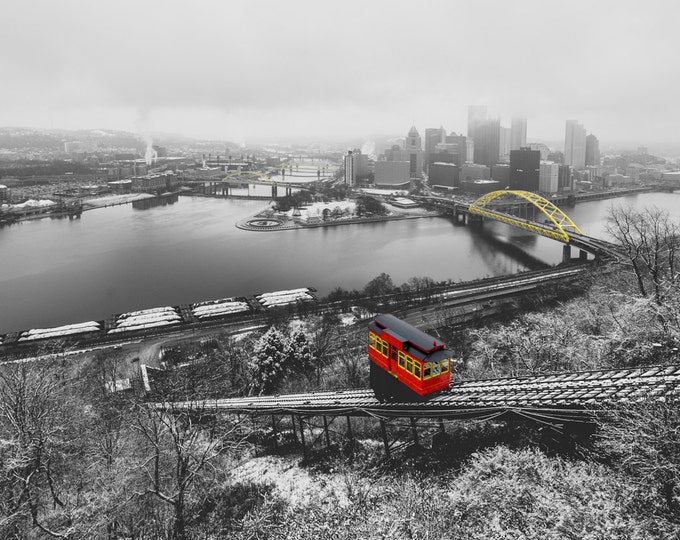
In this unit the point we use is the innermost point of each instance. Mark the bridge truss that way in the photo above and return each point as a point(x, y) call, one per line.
point(561, 222)
point(252, 177)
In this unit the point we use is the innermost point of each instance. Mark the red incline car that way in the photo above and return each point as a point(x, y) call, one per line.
point(406, 363)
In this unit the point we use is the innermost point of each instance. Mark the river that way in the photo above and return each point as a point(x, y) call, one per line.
point(117, 259)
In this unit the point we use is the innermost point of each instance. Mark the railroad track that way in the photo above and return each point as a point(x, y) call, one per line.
point(555, 398)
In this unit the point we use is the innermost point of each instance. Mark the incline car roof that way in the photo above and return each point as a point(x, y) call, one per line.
point(401, 329)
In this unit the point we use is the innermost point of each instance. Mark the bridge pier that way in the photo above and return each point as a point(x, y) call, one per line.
point(474, 220)
point(458, 216)
point(274, 191)
point(566, 253)
point(583, 255)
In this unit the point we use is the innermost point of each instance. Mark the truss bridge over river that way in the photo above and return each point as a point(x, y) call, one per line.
point(507, 207)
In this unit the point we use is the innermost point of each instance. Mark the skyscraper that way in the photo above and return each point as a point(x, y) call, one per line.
point(461, 142)
point(356, 166)
point(350, 170)
point(525, 169)
point(433, 136)
point(518, 132)
point(592, 151)
point(414, 152)
point(477, 115)
point(487, 143)
point(575, 145)
point(504, 145)
point(564, 179)
point(485, 132)
point(549, 177)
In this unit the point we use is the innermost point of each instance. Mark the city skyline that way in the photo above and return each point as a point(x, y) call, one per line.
point(268, 71)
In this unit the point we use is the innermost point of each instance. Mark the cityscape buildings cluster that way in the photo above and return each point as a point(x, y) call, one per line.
point(488, 156)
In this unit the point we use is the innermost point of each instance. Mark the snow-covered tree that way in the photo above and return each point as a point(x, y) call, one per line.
point(300, 353)
point(270, 361)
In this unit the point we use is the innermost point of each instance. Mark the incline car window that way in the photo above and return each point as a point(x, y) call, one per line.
point(378, 344)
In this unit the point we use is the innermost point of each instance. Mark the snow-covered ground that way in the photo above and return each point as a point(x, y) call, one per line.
point(316, 209)
point(294, 484)
point(385, 192)
point(347, 319)
point(33, 203)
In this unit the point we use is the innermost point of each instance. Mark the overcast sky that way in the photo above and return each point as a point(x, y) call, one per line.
point(264, 70)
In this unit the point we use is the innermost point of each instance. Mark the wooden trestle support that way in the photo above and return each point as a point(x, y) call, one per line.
point(565, 402)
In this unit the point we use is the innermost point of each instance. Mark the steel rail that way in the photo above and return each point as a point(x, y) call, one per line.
point(549, 398)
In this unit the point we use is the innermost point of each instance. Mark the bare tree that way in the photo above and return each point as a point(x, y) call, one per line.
point(651, 242)
point(31, 426)
point(644, 440)
point(325, 336)
point(180, 447)
point(52, 473)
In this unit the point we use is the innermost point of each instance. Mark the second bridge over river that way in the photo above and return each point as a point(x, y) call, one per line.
point(540, 216)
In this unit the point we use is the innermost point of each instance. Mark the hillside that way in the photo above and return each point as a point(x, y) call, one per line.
point(80, 462)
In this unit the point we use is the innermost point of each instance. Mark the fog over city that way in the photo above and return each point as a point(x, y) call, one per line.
point(305, 70)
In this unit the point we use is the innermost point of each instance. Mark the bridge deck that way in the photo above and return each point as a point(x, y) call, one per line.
point(549, 398)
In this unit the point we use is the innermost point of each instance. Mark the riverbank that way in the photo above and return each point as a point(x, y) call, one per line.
point(74, 210)
point(114, 200)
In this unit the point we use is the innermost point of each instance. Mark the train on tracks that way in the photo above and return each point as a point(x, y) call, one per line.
point(405, 363)
point(135, 324)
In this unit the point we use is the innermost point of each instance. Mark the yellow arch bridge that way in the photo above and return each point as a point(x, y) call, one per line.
point(558, 227)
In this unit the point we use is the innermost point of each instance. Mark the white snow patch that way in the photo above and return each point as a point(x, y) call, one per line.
point(146, 311)
point(65, 327)
point(220, 309)
point(59, 331)
point(285, 299)
point(385, 192)
point(118, 385)
point(147, 319)
point(34, 203)
point(347, 319)
point(292, 483)
point(281, 293)
point(142, 326)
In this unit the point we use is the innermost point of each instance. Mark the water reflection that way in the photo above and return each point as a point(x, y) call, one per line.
point(163, 200)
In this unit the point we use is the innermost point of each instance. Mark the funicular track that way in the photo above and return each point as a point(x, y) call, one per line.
point(556, 400)
point(560, 397)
